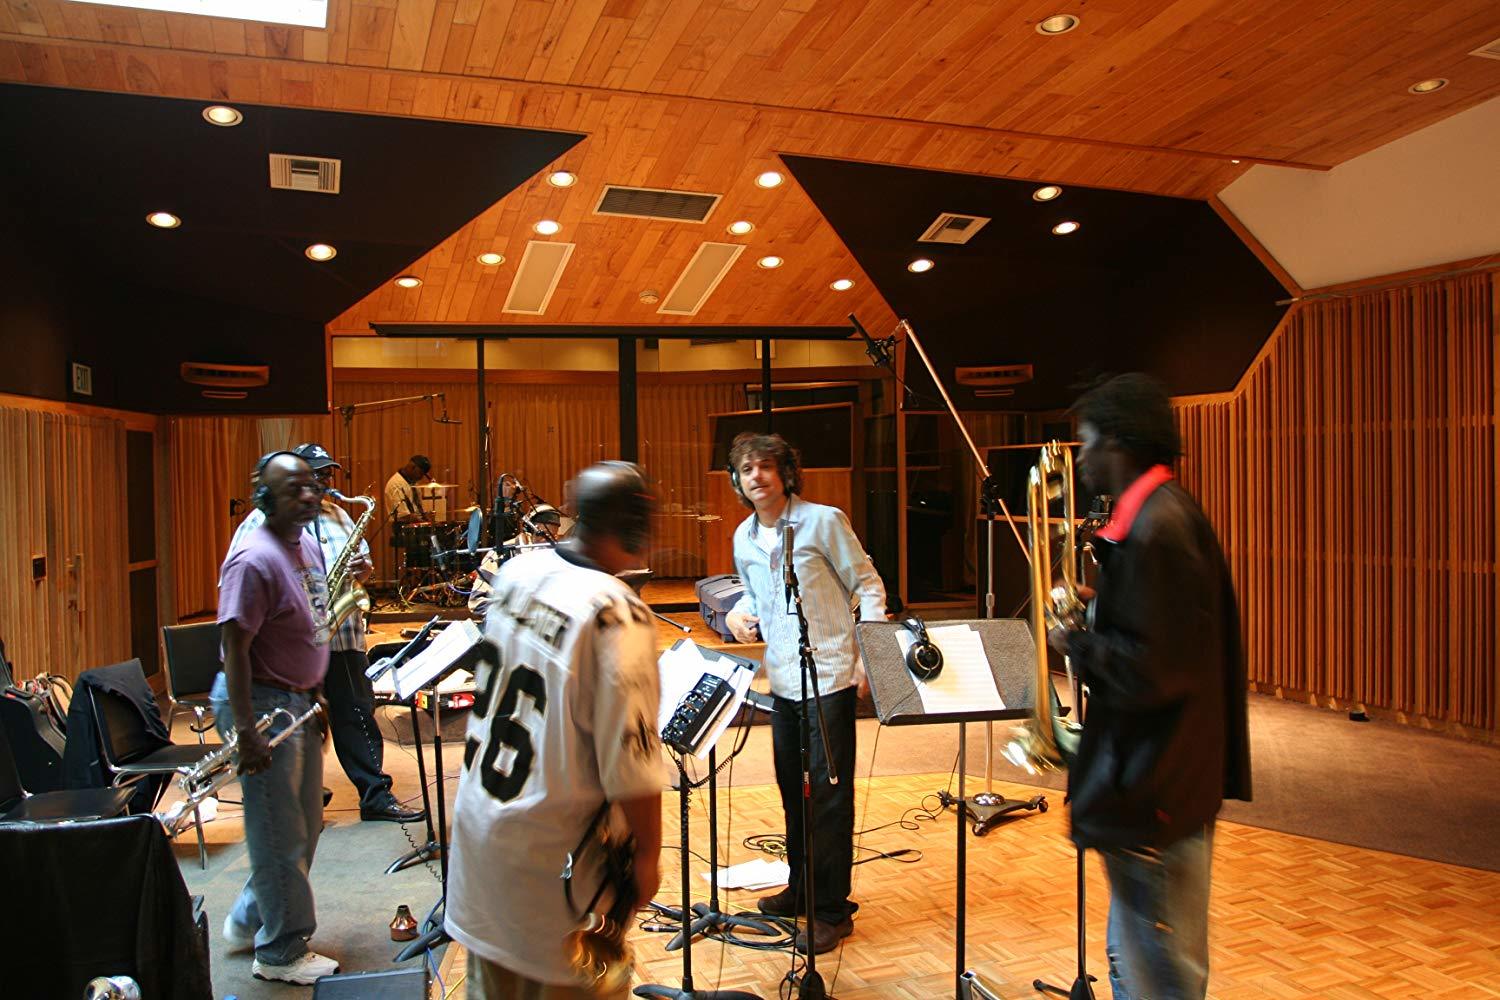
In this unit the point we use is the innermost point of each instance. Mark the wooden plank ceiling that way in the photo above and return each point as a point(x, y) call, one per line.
point(702, 95)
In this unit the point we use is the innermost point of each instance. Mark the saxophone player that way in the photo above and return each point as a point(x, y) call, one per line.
point(351, 698)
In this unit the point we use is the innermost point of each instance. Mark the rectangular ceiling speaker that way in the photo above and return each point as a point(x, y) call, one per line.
point(1490, 51)
point(305, 173)
point(655, 203)
point(699, 279)
point(537, 276)
point(950, 227)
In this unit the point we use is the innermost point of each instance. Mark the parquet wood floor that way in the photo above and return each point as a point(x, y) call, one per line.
point(1290, 917)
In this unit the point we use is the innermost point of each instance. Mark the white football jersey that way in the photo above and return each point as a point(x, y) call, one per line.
point(566, 722)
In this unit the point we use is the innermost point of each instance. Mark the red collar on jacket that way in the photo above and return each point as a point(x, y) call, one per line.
point(1130, 503)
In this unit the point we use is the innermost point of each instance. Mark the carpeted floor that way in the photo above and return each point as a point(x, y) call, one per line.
point(1316, 774)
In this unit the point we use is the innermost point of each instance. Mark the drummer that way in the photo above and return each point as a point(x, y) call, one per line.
point(401, 497)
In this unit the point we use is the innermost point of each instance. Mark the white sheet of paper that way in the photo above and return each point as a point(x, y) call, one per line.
point(966, 683)
point(757, 874)
point(450, 644)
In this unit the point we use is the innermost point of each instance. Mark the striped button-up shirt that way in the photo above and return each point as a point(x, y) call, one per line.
point(832, 571)
point(331, 529)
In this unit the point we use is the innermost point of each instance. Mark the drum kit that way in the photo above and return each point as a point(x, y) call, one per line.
point(440, 557)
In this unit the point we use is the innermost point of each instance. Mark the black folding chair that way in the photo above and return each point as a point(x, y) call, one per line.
point(192, 657)
point(19, 805)
point(130, 753)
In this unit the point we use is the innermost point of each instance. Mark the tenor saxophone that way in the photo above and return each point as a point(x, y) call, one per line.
point(345, 595)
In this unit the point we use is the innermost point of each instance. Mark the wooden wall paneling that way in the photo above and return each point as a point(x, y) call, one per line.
point(67, 506)
point(1355, 504)
point(676, 450)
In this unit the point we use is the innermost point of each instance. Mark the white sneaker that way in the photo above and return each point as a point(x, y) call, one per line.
point(236, 936)
point(305, 971)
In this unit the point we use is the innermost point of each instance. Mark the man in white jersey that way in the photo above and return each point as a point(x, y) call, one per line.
point(563, 724)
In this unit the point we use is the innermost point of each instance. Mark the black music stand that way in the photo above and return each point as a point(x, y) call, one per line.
point(1011, 652)
point(697, 918)
point(418, 675)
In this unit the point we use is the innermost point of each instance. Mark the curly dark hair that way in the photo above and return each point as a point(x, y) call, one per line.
point(788, 460)
point(1134, 410)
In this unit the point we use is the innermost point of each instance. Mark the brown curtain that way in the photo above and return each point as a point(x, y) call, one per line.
point(1352, 480)
point(64, 499)
point(542, 433)
point(676, 449)
point(211, 461)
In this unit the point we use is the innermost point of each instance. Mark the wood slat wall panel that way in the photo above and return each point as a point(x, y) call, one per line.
point(1351, 478)
point(66, 502)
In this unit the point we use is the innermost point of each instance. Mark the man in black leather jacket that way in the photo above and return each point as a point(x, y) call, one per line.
point(1165, 739)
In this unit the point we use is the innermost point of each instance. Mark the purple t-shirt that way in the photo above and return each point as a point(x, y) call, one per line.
point(284, 605)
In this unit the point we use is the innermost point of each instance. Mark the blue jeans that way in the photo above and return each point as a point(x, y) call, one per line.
point(283, 817)
point(1158, 919)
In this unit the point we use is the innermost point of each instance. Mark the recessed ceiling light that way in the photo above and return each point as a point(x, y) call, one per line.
point(741, 227)
point(1427, 86)
point(769, 179)
point(1234, 161)
point(491, 259)
point(546, 228)
point(769, 262)
point(562, 179)
point(164, 220)
point(919, 265)
point(222, 114)
point(1064, 228)
point(842, 285)
point(320, 252)
point(408, 281)
point(1057, 24)
point(650, 296)
point(1046, 193)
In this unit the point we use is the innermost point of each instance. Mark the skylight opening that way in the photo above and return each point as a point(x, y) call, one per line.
point(301, 13)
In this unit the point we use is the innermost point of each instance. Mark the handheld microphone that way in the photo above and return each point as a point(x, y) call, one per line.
point(786, 555)
point(874, 351)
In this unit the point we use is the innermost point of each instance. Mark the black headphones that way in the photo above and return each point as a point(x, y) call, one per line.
point(261, 496)
point(734, 480)
point(923, 659)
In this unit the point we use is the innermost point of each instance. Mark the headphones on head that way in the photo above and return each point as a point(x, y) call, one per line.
point(923, 659)
point(262, 497)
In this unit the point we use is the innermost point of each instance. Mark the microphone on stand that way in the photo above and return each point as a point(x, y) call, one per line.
point(875, 350)
point(444, 418)
point(439, 557)
point(786, 556)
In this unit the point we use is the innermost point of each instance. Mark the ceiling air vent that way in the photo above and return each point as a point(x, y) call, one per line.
point(537, 276)
point(304, 173)
point(699, 279)
point(1490, 51)
point(989, 377)
point(951, 227)
point(653, 203)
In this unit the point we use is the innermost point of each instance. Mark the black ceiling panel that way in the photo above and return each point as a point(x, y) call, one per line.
point(85, 168)
point(1147, 283)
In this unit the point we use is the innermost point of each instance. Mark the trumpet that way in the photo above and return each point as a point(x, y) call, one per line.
point(204, 779)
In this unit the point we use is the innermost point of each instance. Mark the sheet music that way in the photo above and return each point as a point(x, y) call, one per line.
point(680, 668)
point(966, 682)
point(451, 643)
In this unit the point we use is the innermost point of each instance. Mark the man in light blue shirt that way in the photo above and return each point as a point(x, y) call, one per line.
point(833, 573)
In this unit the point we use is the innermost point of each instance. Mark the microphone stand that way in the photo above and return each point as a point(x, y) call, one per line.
point(810, 986)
